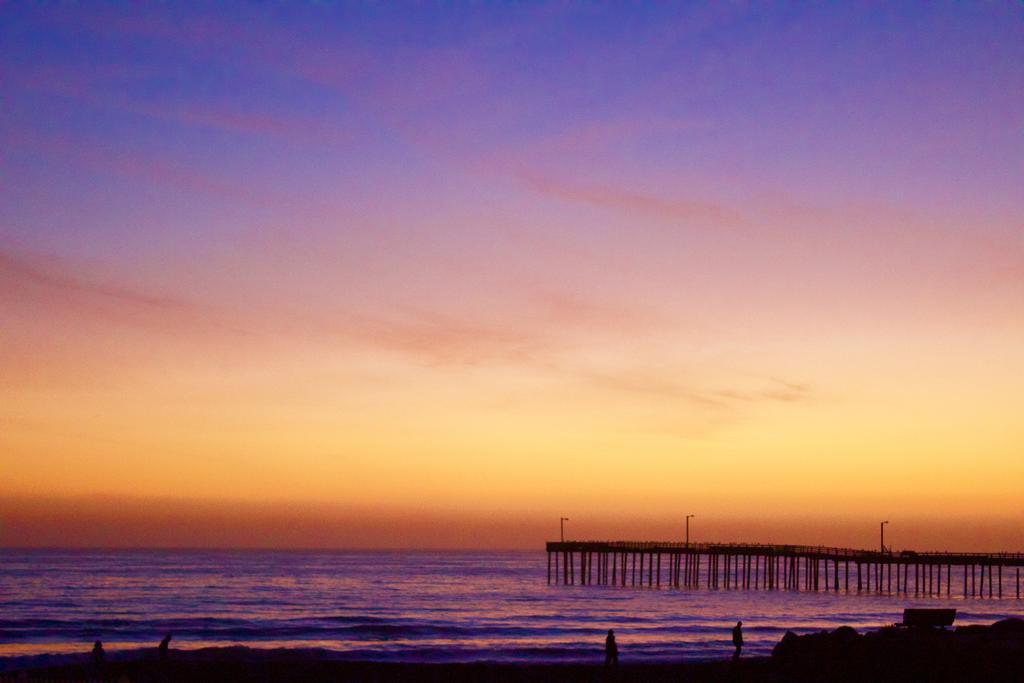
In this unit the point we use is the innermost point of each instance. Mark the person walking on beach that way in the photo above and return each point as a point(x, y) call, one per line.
point(737, 639)
point(97, 659)
point(611, 650)
point(163, 647)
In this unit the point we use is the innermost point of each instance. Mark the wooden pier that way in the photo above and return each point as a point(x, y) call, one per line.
point(783, 567)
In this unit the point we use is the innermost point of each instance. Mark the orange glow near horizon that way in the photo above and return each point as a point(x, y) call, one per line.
point(917, 435)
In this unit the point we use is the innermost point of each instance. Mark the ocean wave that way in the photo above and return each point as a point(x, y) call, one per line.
point(395, 606)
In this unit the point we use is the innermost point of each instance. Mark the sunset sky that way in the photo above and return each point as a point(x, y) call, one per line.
point(436, 274)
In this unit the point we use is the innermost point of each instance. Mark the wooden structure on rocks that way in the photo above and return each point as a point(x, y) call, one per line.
point(782, 567)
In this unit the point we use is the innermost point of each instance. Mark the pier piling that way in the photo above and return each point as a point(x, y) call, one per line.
point(774, 567)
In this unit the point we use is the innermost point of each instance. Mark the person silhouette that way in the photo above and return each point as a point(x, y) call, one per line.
point(96, 659)
point(163, 646)
point(737, 639)
point(611, 649)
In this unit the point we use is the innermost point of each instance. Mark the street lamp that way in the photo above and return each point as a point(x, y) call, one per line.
point(688, 529)
point(881, 534)
point(561, 526)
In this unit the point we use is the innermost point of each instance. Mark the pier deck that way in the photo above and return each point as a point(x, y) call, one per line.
point(781, 567)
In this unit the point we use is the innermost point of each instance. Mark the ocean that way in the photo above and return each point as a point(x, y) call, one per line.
point(402, 606)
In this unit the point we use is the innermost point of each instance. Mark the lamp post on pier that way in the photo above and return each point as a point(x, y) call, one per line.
point(561, 526)
point(881, 534)
point(688, 529)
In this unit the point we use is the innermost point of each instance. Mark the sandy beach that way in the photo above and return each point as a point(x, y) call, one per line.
point(243, 664)
point(972, 653)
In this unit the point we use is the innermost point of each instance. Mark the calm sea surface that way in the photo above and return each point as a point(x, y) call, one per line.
point(412, 606)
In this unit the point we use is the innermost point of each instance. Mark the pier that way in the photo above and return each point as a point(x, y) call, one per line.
point(653, 564)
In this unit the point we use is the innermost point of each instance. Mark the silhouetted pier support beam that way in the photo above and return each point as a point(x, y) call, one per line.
point(774, 567)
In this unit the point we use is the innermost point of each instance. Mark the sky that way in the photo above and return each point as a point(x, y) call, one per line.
point(435, 274)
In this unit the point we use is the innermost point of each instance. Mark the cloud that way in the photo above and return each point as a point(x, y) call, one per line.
point(572, 310)
point(540, 335)
point(140, 165)
point(69, 327)
point(875, 234)
point(528, 337)
point(439, 339)
point(53, 276)
point(595, 137)
point(537, 325)
point(98, 87)
point(634, 203)
point(50, 285)
point(784, 392)
point(666, 386)
point(647, 384)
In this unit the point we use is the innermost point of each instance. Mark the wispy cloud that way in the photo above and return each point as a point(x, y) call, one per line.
point(534, 328)
point(100, 89)
point(137, 166)
point(54, 286)
point(666, 385)
point(777, 391)
point(538, 336)
point(438, 339)
point(51, 276)
point(635, 203)
point(425, 336)
point(585, 139)
point(71, 327)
